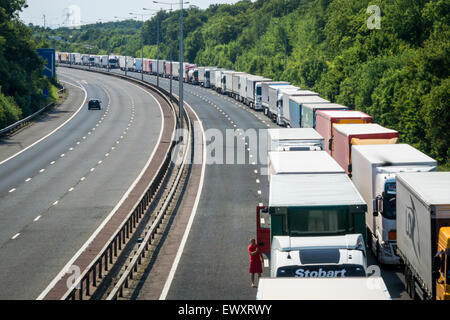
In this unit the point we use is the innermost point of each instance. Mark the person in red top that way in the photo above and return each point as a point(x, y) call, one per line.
point(256, 260)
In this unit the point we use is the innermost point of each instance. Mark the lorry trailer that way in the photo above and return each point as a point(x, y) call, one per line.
point(302, 162)
point(295, 108)
point(348, 135)
point(309, 111)
point(326, 119)
point(265, 93)
point(284, 103)
point(423, 233)
point(294, 139)
point(374, 174)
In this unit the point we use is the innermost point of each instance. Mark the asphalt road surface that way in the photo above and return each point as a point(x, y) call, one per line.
point(55, 193)
point(214, 264)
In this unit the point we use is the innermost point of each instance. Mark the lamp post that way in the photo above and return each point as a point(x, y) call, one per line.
point(157, 45)
point(142, 42)
point(181, 79)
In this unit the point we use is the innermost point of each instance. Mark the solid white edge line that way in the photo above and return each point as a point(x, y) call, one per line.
point(191, 219)
point(65, 269)
point(52, 132)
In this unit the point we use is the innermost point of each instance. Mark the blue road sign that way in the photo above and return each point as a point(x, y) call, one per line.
point(49, 56)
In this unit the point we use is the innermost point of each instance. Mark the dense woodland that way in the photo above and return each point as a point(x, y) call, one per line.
point(21, 80)
point(399, 73)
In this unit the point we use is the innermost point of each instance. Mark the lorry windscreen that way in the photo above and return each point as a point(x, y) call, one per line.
point(322, 271)
point(258, 91)
point(320, 222)
point(389, 207)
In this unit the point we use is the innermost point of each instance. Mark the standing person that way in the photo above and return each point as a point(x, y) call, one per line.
point(256, 260)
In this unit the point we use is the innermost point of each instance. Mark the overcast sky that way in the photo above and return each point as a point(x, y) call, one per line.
point(60, 12)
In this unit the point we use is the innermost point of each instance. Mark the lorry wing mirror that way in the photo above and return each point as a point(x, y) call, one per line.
point(330, 144)
point(437, 262)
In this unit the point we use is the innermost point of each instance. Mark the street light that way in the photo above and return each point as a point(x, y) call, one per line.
point(180, 86)
point(142, 42)
point(157, 46)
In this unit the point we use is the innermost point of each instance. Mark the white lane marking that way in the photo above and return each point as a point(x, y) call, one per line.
point(52, 163)
point(52, 132)
point(28, 180)
point(106, 154)
point(12, 190)
point(259, 191)
point(191, 218)
point(257, 181)
point(62, 156)
point(71, 189)
point(15, 236)
point(100, 162)
point(42, 170)
point(55, 203)
point(37, 218)
point(71, 149)
point(92, 169)
point(111, 214)
point(266, 263)
point(83, 178)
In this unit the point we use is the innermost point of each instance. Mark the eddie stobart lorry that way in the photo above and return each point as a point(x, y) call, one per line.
point(423, 233)
point(315, 220)
point(374, 174)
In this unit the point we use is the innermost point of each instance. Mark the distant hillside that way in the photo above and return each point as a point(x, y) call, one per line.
point(399, 73)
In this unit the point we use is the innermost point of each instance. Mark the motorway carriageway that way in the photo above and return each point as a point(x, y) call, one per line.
point(214, 262)
point(55, 193)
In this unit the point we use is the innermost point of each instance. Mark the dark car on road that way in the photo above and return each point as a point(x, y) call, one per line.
point(94, 104)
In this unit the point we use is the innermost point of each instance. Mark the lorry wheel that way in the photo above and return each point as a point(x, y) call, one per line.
point(378, 254)
point(407, 281)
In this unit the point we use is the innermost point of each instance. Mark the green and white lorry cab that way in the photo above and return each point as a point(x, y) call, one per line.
point(318, 257)
point(309, 205)
point(374, 174)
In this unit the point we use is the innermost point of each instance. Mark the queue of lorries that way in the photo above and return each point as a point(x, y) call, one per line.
point(338, 184)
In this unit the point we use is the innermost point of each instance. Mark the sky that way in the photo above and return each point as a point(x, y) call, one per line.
point(67, 12)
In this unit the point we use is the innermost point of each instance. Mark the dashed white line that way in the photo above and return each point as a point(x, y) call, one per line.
point(42, 170)
point(15, 236)
point(37, 218)
point(28, 180)
point(12, 190)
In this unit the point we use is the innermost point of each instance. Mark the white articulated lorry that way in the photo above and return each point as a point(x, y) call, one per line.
point(274, 99)
point(285, 110)
point(358, 288)
point(265, 93)
point(374, 174)
point(236, 84)
point(423, 233)
point(295, 139)
point(253, 97)
point(278, 105)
